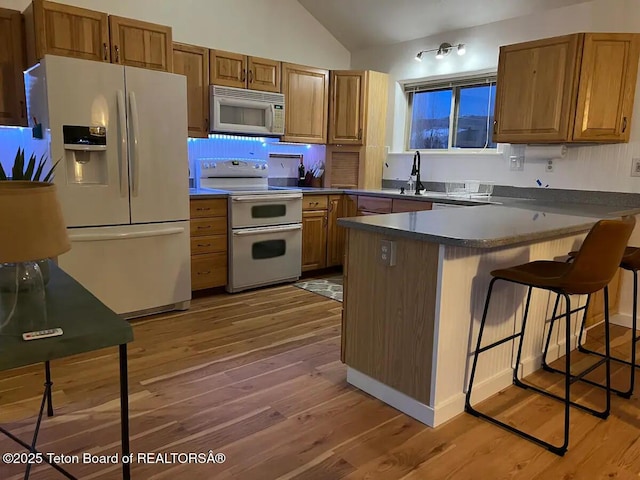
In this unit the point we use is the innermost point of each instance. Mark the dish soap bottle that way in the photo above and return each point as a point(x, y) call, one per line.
point(301, 173)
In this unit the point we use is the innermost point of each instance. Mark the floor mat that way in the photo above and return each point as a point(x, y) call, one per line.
point(330, 287)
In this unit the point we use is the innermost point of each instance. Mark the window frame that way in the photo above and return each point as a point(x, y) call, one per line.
point(455, 84)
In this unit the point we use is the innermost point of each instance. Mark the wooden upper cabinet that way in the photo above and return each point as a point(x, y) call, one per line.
point(574, 88)
point(306, 91)
point(228, 69)
point(263, 74)
point(193, 62)
point(347, 107)
point(141, 44)
point(12, 63)
point(535, 90)
point(607, 86)
point(240, 71)
point(57, 29)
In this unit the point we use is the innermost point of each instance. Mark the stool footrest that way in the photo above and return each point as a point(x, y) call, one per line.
point(499, 342)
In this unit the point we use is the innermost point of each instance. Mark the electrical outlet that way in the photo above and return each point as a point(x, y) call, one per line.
point(549, 167)
point(516, 163)
point(387, 254)
point(635, 167)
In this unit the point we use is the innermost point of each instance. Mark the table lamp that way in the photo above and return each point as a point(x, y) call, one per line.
point(31, 228)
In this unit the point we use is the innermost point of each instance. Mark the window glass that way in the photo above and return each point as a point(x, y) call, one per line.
point(474, 119)
point(430, 118)
point(268, 249)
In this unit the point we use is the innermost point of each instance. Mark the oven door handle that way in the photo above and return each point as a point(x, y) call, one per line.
point(263, 230)
point(253, 198)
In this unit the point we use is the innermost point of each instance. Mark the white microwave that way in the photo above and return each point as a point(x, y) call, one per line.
point(248, 112)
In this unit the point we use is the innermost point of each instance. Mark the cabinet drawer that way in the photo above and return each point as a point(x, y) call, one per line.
point(208, 271)
point(315, 202)
point(208, 226)
point(374, 204)
point(400, 205)
point(209, 207)
point(208, 244)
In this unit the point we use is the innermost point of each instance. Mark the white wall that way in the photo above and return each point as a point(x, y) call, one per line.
point(587, 168)
point(277, 29)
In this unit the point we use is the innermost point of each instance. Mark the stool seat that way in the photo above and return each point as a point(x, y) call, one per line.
point(630, 258)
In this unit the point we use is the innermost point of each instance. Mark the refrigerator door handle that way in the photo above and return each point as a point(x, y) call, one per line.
point(123, 142)
point(135, 159)
point(101, 237)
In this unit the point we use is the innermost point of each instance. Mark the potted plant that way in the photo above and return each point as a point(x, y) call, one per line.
point(32, 171)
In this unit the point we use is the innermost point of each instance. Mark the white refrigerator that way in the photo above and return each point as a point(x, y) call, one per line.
point(120, 136)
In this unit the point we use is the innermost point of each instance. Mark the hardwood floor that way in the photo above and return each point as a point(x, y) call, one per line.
point(257, 377)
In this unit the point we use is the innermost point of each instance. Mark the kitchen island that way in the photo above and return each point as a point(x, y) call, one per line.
point(411, 319)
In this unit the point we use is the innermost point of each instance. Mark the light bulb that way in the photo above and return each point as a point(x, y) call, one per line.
point(419, 57)
point(461, 49)
point(440, 54)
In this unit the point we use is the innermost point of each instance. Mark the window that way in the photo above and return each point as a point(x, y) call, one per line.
point(455, 115)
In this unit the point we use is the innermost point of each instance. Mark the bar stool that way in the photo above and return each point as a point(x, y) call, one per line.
point(592, 270)
point(631, 262)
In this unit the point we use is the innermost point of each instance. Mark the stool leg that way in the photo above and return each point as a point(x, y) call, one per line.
point(567, 375)
point(524, 324)
point(467, 401)
point(545, 365)
point(607, 351)
point(634, 338)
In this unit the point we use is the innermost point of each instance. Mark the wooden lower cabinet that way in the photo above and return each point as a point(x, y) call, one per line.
point(208, 243)
point(400, 205)
point(335, 233)
point(314, 239)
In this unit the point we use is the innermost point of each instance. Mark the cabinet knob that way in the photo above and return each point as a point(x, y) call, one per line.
point(495, 126)
point(243, 75)
point(106, 51)
point(250, 76)
point(117, 49)
point(624, 124)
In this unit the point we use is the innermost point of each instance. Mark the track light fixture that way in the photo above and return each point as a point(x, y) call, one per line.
point(443, 50)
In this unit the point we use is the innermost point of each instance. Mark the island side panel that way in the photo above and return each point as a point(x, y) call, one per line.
point(464, 284)
point(389, 312)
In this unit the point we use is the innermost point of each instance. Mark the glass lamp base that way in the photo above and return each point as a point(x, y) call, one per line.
point(22, 298)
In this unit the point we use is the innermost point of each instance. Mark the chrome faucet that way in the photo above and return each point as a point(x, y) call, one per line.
point(415, 170)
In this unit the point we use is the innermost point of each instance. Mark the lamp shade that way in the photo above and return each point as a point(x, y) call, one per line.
point(31, 222)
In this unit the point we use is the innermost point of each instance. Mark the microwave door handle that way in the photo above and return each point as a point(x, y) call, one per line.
point(270, 118)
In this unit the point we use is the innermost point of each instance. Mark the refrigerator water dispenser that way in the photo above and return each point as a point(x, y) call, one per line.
point(85, 150)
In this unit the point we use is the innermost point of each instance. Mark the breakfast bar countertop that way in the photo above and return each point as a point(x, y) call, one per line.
point(480, 227)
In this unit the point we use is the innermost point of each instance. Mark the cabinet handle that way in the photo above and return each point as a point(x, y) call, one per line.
point(206, 125)
point(495, 126)
point(204, 228)
point(117, 49)
point(624, 124)
point(250, 76)
point(200, 209)
point(204, 273)
point(360, 134)
point(243, 75)
point(204, 245)
point(106, 51)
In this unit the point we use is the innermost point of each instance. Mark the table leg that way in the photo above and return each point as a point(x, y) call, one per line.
point(124, 411)
point(48, 385)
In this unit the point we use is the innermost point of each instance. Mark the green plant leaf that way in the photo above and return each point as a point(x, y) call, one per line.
point(28, 173)
point(36, 176)
point(50, 174)
point(18, 165)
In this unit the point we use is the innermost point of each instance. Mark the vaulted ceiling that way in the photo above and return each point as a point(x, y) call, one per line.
point(359, 24)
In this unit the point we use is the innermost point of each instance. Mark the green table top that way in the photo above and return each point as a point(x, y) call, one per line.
point(87, 325)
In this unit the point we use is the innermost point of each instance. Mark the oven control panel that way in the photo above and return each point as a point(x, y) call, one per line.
point(233, 167)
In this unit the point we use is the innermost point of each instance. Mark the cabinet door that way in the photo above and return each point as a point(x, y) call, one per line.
point(264, 74)
point(193, 62)
point(141, 44)
point(607, 85)
point(228, 69)
point(346, 110)
point(535, 95)
point(314, 239)
point(306, 92)
point(335, 233)
point(68, 31)
point(12, 63)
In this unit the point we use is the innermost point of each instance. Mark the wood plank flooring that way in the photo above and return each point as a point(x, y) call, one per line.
point(257, 377)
